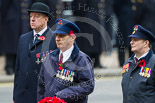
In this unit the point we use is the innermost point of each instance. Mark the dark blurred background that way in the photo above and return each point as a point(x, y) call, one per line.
point(117, 17)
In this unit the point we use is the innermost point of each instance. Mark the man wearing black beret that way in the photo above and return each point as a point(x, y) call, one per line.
point(138, 83)
point(32, 50)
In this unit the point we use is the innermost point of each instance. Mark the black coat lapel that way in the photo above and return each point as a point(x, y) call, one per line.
point(39, 41)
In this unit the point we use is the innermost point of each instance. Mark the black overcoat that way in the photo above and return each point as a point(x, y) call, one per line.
point(26, 70)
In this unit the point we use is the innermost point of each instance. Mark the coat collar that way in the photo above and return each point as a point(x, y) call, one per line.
point(39, 41)
point(146, 58)
point(55, 54)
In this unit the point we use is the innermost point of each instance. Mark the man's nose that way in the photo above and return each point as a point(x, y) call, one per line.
point(32, 18)
point(131, 42)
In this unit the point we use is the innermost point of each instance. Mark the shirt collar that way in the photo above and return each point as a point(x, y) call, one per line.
point(41, 32)
point(141, 56)
point(67, 53)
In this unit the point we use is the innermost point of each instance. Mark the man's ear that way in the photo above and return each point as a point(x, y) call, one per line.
point(73, 36)
point(147, 43)
point(47, 18)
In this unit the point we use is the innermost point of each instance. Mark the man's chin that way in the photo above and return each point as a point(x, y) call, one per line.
point(58, 46)
point(133, 50)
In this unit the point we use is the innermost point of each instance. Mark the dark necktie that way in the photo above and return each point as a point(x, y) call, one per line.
point(136, 61)
point(61, 58)
point(36, 38)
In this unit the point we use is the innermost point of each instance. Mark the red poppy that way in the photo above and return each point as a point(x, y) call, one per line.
point(38, 55)
point(42, 38)
point(71, 33)
point(142, 63)
point(60, 68)
point(60, 22)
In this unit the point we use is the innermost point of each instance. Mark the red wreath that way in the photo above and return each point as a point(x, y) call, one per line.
point(52, 100)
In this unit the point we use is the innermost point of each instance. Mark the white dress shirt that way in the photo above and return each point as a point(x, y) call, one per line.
point(40, 33)
point(141, 56)
point(66, 54)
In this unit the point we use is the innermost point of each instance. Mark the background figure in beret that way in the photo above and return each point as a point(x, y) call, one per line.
point(32, 49)
point(138, 83)
point(67, 73)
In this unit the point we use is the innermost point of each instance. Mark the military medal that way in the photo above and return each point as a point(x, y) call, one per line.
point(61, 73)
point(72, 75)
point(38, 56)
point(67, 75)
point(63, 77)
point(149, 73)
point(143, 74)
point(125, 68)
point(146, 72)
point(58, 74)
point(69, 78)
point(141, 71)
point(42, 57)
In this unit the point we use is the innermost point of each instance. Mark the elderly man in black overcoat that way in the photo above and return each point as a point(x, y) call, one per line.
point(32, 50)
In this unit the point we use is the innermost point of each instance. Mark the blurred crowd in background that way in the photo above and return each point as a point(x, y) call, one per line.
point(117, 17)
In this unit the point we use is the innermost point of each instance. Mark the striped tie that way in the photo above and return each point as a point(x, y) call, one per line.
point(36, 38)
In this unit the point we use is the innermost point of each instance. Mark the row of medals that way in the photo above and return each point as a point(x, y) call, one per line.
point(42, 56)
point(145, 72)
point(125, 68)
point(65, 74)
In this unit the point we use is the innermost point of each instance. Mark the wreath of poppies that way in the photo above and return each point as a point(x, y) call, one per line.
point(52, 100)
